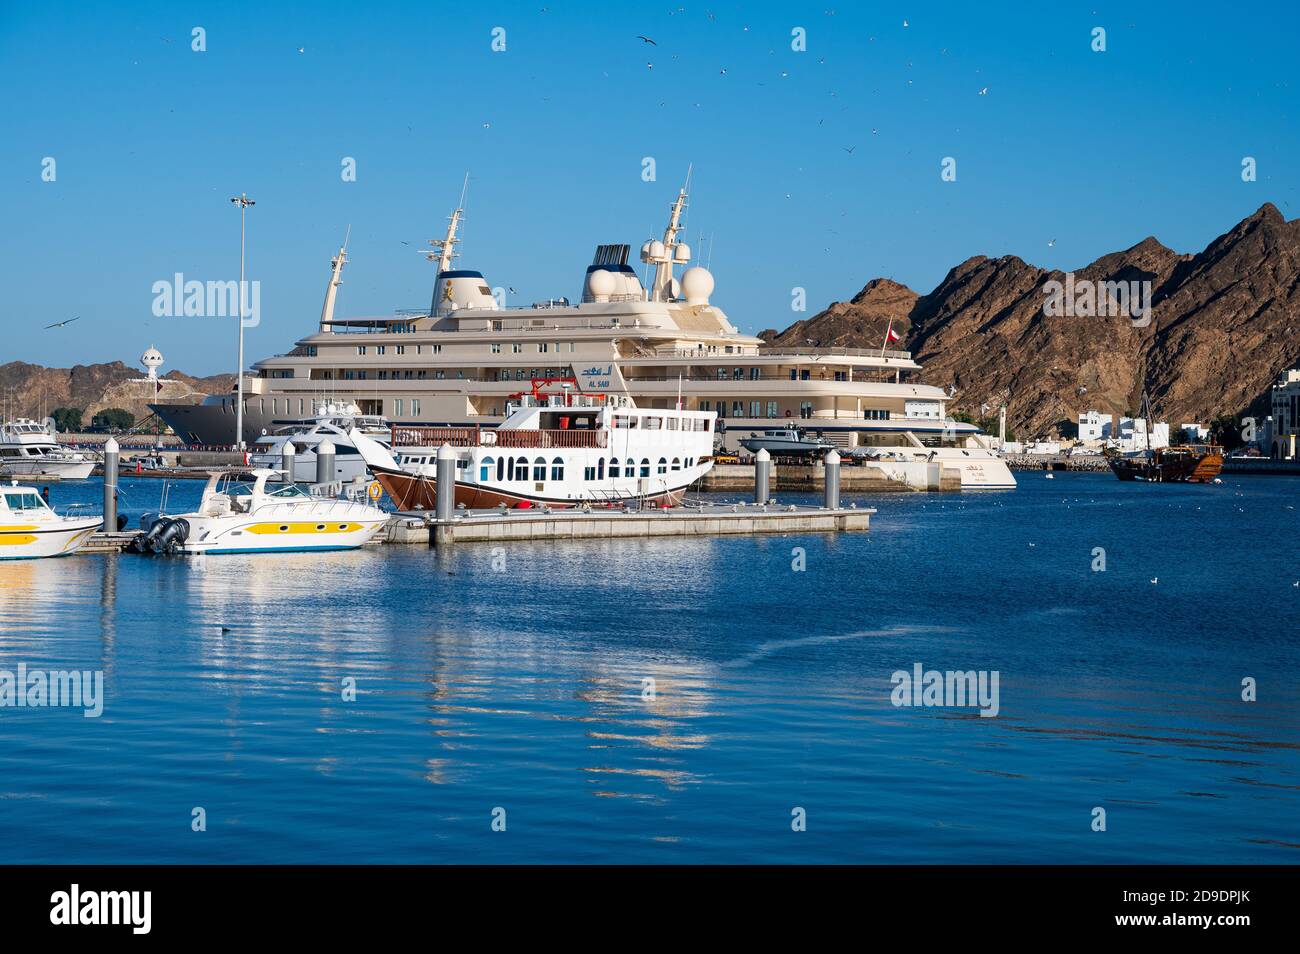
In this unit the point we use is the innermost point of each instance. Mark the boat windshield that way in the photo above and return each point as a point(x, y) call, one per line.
point(25, 500)
point(289, 491)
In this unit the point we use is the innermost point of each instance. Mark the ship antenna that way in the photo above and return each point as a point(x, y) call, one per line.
point(336, 279)
point(443, 250)
point(663, 280)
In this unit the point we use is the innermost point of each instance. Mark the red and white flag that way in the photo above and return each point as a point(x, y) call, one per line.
point(891, 335)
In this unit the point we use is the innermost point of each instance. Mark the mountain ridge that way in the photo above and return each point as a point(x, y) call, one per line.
point(1223, 325)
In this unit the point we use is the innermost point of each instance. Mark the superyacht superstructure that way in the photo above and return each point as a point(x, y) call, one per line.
point(653, 338)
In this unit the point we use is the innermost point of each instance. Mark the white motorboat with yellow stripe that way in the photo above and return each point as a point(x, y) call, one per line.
point(255, 512)
point(30, 529)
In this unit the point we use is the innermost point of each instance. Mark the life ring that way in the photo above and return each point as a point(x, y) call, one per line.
point(375, 490)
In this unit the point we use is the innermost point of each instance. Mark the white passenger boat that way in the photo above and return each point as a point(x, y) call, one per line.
point(243, 512)
point(556, 451)
point(30, 449)
point(30, 529)
point(332, 422)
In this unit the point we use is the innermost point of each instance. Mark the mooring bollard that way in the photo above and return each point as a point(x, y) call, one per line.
point(325, 472)
point(287, 458)
point(445, 489)
point(832, 498)
point(110, 485)
point(762, 476)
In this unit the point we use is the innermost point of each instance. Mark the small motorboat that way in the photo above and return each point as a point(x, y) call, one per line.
point(787, 442)
point(30, 529)
point(245, 512)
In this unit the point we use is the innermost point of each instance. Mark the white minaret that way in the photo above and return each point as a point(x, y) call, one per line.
point(336, 279)
point(152, 360)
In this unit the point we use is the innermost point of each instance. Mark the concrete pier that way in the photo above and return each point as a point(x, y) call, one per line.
point(492, 526)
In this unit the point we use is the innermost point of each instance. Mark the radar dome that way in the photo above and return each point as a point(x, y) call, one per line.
point(697, 285)
point(601, 284)
point(682, 253)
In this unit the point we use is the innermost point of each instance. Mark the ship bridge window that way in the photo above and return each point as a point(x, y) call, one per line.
point(677, 464)
point(653, 423)
point(485, 469)
point(663, 465)
point(645, 466)
point(630, 470)
point(614, 467)
point(672, 423)
point(521, 468)
point(557, 469)
point(501, 469)
point(600, 469)
point(539, 469)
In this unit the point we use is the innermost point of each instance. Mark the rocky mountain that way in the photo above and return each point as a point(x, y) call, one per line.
point(1221, 325)
point(30, 390)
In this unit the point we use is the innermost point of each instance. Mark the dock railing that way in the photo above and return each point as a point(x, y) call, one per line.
point(498, 437)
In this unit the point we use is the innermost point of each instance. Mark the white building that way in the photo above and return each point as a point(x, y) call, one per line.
point(1130, 435)
point(1285, 437)
point(1195, 433)
point(1094, 426)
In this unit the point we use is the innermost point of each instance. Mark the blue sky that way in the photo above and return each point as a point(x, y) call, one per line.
point(1092, 150)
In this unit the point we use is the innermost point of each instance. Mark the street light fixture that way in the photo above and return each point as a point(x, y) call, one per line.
point(243, 201)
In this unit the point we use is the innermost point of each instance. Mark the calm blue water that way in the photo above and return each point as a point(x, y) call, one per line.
point(522, 689)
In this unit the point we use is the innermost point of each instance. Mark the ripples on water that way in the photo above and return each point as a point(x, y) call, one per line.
point(524, 689)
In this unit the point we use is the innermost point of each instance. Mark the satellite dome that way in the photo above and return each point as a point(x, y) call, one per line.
point(697, 285)
point(657, 249)
point(682, 253)
point(601, 284)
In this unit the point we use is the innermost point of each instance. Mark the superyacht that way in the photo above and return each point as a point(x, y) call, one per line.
point(654, 339)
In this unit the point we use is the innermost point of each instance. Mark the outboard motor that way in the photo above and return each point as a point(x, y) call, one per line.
point(143, 541)
point(171, 536)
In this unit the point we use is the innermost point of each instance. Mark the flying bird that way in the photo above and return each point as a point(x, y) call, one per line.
point(646, 39)
point(60, 324)
point(984, 91)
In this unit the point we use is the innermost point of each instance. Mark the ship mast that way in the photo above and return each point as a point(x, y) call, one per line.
point(336, 279)
point(444, 249)
point(661, 288)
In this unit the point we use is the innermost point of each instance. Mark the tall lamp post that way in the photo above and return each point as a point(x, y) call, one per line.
point(243, 201)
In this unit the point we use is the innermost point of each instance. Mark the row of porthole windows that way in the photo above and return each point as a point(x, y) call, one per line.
point(518, 468)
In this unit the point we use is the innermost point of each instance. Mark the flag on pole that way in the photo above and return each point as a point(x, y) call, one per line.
point(890, 337)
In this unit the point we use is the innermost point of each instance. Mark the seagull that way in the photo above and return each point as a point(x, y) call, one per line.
point(60, 324)
point(1052, 243)
point(646, 39)
point(1155, 579)
point(302, 49)
point(984, 91)
point(849, 149)
point(904, 24)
